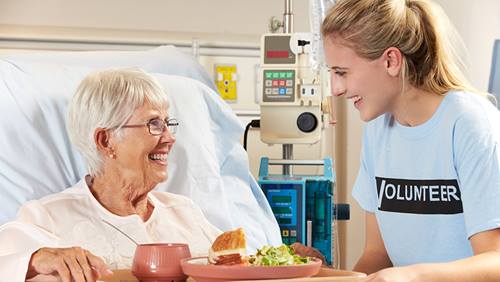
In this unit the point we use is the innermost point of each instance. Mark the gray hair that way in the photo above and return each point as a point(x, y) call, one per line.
point(107, 99)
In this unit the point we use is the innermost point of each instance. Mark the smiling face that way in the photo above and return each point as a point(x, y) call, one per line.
point(140, 155)
point(369, 84)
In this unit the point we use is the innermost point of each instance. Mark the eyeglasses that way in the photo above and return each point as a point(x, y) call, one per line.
point(156, 126)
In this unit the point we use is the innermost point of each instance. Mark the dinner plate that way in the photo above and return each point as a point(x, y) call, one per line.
point(201, 271)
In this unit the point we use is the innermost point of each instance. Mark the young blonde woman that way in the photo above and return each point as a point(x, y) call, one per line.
point(429, 178)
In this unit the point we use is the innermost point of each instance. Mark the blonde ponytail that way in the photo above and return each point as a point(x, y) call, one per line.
point(418, 28)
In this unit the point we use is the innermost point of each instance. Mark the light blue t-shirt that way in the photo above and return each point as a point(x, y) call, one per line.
point(433, 186)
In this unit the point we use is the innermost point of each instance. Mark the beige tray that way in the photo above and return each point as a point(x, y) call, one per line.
point(325, 274)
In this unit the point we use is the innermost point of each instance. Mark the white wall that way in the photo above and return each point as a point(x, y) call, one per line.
point(240, 22)
point(214, 16)
point(478, 23)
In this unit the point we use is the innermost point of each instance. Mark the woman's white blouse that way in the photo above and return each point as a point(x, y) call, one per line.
point(75, 218)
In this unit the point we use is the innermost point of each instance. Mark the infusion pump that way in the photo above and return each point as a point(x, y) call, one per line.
point(291, 91)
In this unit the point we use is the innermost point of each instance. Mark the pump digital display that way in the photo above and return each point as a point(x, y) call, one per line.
point(277, 54)
point(276, 50)
point(282, 199)
point(284, 220)
point(282, 210)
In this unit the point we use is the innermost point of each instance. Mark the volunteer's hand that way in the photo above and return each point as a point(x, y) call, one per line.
point(396, 274)
point(71, 264)
point(305, 251)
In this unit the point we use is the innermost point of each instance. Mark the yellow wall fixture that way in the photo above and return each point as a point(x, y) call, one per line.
point(225, 79)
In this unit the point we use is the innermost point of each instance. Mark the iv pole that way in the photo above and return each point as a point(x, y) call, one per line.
point(288, 28)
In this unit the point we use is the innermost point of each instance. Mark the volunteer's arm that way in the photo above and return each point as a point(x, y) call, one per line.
point(483, 266)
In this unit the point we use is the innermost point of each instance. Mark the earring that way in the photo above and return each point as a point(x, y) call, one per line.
point(112, 155)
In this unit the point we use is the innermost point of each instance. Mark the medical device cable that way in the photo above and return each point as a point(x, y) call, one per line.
point(254, 124)
point(118, 229)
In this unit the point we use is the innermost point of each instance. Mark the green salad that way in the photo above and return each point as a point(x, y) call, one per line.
point(282, 255)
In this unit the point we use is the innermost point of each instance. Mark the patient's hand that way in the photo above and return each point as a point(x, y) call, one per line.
point(71, 264)
point(305, 251)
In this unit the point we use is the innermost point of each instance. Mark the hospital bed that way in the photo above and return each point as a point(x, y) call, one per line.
point(207, 163)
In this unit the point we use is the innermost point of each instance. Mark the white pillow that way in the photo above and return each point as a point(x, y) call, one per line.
point(163, 59)
point(36, 157)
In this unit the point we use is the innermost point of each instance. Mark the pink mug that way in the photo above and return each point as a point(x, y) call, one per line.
point(160, 262)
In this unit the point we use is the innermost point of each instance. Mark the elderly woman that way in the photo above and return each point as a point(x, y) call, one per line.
point(119, 121)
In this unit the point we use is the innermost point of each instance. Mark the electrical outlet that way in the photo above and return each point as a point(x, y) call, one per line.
point(309, 90)
point(226, 77)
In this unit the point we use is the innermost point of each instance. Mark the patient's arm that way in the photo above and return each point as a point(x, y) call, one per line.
point(19, 240)
point(305, 251)
point(70, 264)
point(23, 255)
